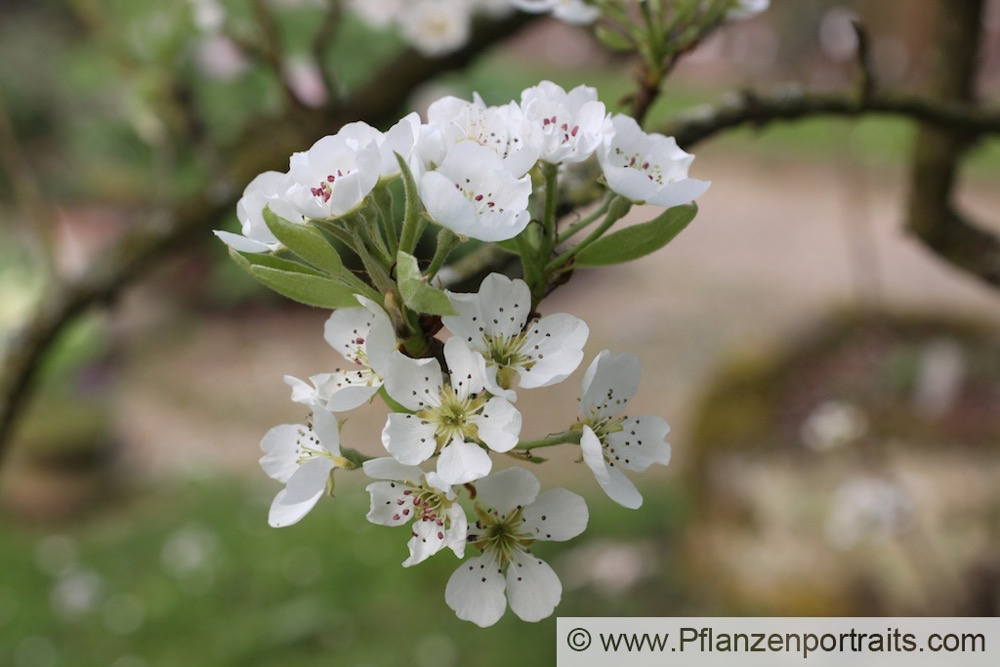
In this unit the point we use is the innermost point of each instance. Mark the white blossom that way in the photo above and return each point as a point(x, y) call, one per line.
point(577, 12)
point(492, 322)
point(334, 176)
point(745, 9)
point(512, 516)
point(611, 442)
point(401, 138)
point(407, 494)
point(451, 121)
point(302, 457)
point(473, 194)
point(266, 190)
point(436, 27)
point(647, 168)
point(377, 13)
point(568, 127)
point(450, 417)
point(365, 337)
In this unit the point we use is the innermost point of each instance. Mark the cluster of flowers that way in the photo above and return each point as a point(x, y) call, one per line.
point(458, 414)
point(471, 163)
point(469, 169)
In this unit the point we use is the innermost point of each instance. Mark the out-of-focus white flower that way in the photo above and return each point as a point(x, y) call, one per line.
point(377, 13)
point(512, 516)
point(577, 12)
point(333, 177)
point(266, 190)
point(610, 442)
point(303, 458)
point(400, 139)
point(865, 508)
point(450, 417)
point(366, 338)
point(451, 121)
point(833, 424)
point(492, 323)
point(647, 168)
point(473, 194)
point(436, 27)
point(745, 9)
point(407, 493)
point(208, 15)
point(305, 79)
point(568, 127)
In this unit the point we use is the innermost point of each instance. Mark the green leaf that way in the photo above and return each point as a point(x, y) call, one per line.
point(305, 242)
point(613, 39)
point(638, 240)
point(416, 293)
point(247, 260)
point(312, 290)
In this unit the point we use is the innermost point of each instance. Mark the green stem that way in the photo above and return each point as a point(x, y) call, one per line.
point(550, 173)
point(564, 438)
point(355, 457)
point(383, 202)
point(447, 241)
point(533, 273)
point(571, 231)
point(376, 270)
point(617, 209)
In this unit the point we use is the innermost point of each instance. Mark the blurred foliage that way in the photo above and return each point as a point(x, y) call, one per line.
point(193, 575)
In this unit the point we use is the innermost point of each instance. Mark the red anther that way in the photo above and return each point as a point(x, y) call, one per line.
point(490, 204)
point(395, 517)
point(576, 128)
point(406, 512)
point(359, 341)
point(331, 178)
point(645, 165)
point(440, 535)
point(479, 198)
point(407, 492)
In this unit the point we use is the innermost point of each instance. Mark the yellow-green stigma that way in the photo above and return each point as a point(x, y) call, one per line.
point(501, 534)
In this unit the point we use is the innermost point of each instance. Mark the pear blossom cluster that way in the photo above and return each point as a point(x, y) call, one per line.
point(451, 460)
point(471, 162)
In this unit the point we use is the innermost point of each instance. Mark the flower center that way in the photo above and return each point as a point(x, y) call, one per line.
point(453, 417)
point(324, 190)
point(654, 172)
point(501, 534)
point(505, 353)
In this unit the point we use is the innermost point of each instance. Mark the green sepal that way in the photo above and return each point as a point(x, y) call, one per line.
point(417, 294)
point(411, 208)
point(637, 241)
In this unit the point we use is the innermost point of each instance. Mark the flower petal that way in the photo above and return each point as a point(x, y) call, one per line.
point(462, 462)
point(610, 383)
point(641, 443)
point(508, 488)
point(457, 530)
point(476, 591)
point(304, 489)
point(467, 368)
point(381, 340)
point(555, 346)
point(414, 383)
point(326, 428)
point(468, 324)
point(409, 438)
point(614, 482)
point(388, 503)
point(533, 589)
point(386, 467)
point(242, 243)
point(504, 304)
point(281, 446)
point(427, 539)
point(557, 515)
point(346, 330)
point(499, 424)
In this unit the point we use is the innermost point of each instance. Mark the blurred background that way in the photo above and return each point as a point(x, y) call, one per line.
point(833, 387)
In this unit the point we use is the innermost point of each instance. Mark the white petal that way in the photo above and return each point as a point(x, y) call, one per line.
point(555, 345)
point(610, 383)
point(505, 305)
point(327, 430)
point(281, 450)
point(285, 512)
point(304, 393)
point(462, 462)
point(506, 489)
point(468, 324)
point(304, 489)
point(381, 339)
point(414, 383)
point(458, 529)
point(428, 538)
point(386, 467)
point(242, 243)
point(533, 589)
point(476, 591)
point(389, 505)
point(556, 515)
point(467, 368)
point(614, 482)
point(408, 438)
point(347, 329)
point(346, 396)
point(499, 424)
point(641, 443)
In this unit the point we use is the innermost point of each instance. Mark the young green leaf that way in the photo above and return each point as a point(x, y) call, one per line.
point(638, 240)
point(306, 288)
point(305, 242)
point(248, 260)
point(416, 293)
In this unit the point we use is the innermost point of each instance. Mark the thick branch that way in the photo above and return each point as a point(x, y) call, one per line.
point(938, 151)
point(378, 103)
